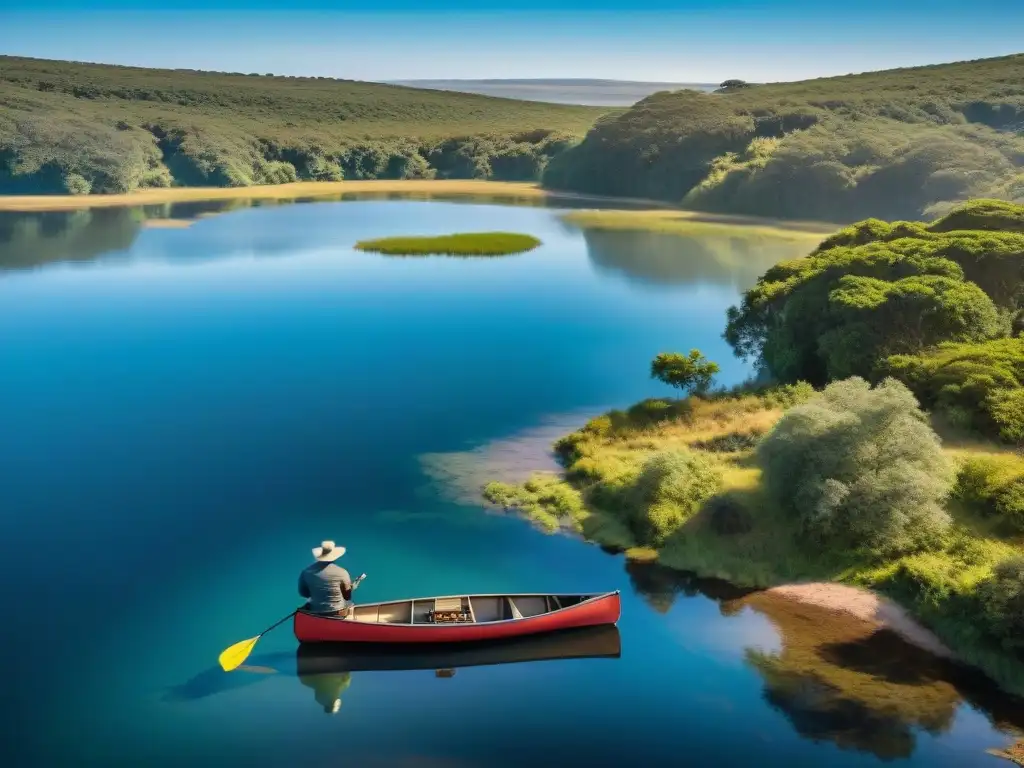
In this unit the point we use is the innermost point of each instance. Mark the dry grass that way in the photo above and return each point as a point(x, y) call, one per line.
point(693, 223)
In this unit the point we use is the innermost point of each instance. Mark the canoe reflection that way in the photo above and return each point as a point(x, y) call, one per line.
point(592, 642)
point(326, 668)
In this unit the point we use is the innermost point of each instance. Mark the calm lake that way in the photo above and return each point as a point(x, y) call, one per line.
point(187, 411)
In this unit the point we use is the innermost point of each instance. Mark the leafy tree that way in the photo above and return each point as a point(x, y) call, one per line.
point(734, 84)
point(876, 290)
point(859, 469)
point(688, 373)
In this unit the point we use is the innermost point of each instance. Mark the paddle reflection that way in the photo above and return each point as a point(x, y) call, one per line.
point(327, 668)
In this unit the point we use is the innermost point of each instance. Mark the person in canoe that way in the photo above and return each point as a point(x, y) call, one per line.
point(327, 586)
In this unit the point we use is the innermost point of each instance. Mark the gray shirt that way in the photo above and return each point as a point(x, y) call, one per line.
point(323, 583)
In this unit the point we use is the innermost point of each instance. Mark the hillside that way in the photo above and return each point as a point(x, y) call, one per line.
point(905, 143)
point(79, 128)
point(602, 93)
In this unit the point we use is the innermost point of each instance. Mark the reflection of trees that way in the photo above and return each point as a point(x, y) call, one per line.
point(838, 678)
point(33, 239)
point(663, 258)
point(659, 586)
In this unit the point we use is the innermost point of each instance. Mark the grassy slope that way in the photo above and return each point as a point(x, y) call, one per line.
point(79, 117)
point(895, 144)
point(606, 451)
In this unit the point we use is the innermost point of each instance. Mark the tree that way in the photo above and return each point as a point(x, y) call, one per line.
point(859, 469)
point(733, 84)
point(691, 373)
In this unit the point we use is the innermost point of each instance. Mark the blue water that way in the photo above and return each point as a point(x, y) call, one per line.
point(186, 412)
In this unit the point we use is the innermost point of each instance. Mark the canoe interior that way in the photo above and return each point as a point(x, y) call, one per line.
point(465, 609)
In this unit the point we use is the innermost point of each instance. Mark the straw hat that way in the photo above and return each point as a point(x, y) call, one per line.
point(327, 552)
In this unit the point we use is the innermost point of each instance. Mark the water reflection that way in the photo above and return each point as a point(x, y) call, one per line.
point(327, 668)
point(732, 257)
point(724, 256)
point(839, 679)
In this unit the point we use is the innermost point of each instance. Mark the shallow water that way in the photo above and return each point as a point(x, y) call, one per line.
point(187, 411)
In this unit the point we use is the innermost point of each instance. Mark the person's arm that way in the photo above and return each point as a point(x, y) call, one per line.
point(303, 587)
point(346, 585)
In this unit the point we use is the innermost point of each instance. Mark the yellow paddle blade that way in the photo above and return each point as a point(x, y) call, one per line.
point(231, 657)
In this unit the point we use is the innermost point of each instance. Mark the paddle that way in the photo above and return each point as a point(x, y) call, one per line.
point(231, 658)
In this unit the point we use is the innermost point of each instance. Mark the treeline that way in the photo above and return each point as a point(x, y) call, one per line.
point(84, 128)
point(939, 307)
point(907, 143)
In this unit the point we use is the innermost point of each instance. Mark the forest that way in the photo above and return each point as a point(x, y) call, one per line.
point(899, 144)
point(70, 128)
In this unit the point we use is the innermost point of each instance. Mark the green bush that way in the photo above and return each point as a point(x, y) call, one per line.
point(859, 468)
point(875, 291)
point(980, 385)
point(670, 488)
point(1002, 596)
point(727, 516)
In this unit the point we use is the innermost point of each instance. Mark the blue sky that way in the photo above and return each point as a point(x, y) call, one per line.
point(682, 41)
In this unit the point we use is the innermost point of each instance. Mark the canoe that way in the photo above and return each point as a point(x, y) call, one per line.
point(582, 643)
point(459, 618)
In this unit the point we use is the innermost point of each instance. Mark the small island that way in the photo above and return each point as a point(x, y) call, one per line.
point(464, 244)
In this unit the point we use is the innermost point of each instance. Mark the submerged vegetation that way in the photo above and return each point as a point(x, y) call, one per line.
point(464, 244)
point(73, 128)
point(905, 143)
point(837, 471)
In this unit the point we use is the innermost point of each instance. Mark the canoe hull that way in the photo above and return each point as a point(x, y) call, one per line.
point(596, 610)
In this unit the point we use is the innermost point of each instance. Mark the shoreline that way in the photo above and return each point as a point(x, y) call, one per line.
point(647, 214)
point(291, 191)
point(868, 606)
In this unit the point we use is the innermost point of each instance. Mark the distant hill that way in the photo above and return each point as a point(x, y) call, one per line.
point(603, 93)
point(897, 144)
point(80, 128)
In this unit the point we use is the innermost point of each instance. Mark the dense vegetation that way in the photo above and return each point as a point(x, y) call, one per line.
point(80, 128)
point(938, 306)
point(849, 482)
point(904, 143)
point(714, 485)
point(463, 244)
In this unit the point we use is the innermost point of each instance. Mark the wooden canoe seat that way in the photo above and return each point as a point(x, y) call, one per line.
point(448, 604)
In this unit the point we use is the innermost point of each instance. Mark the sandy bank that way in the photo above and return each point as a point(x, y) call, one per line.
point(300, 189)
point(865, 605)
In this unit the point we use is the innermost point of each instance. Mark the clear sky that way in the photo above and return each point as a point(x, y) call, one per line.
point(680, 41)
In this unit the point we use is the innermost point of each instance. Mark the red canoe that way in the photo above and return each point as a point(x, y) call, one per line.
point(459, 618)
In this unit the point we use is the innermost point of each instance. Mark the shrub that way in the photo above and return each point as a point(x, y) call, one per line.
point(727, 516)
point(670, 488)
point(1008, 502)
point(981, 385)
point(1002, 596)
point(859, 468)
point(993, 486)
